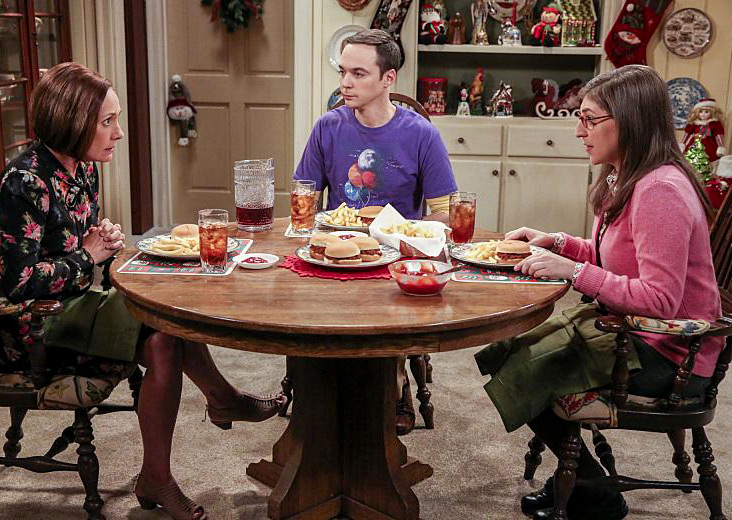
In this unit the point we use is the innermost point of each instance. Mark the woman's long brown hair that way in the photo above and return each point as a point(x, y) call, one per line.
point(636, 97)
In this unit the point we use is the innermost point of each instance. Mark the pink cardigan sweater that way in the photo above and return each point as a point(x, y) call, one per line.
point(657, 262)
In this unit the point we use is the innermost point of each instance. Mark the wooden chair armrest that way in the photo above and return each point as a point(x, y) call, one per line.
point(40, 310)
point(721, 327)
point(611, 324)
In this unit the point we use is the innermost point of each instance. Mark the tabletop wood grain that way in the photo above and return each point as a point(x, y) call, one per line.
point(255, 309)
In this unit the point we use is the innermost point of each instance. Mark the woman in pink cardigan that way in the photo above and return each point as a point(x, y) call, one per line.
point(653, 259)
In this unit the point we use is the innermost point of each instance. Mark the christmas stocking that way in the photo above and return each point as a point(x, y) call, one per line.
point(627, 41)
point(390, 17)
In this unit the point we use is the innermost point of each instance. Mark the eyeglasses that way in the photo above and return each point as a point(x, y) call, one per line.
point(590, 122)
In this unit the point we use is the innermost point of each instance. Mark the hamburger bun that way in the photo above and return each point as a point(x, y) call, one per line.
point(342, 252)
point(512, 251)
point(318, 243)
point(369, 213)
point(369, 247)
point(186, 231)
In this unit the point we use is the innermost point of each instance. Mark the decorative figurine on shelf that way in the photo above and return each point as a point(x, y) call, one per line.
point(721, 183)
point(579, 20)
point(715, 185)
point(476, 94)
point(705, 122)
point(181, 111)
point(501, 104)
point(548, 31)
point(547, 102)
point(479, 12)
point(510, 34)
point(456, 29)
point(431, 26)
point(463, 108)
point(439, 5)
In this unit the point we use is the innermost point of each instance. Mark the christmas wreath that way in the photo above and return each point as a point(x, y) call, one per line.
point(235, 13)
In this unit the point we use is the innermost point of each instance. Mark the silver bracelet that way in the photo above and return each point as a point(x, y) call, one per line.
point(577, 270)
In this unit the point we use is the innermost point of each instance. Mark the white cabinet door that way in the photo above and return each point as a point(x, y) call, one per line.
point(484, 178)
point(546, 196)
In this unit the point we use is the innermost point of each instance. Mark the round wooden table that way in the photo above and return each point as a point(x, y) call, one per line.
point(340, 454)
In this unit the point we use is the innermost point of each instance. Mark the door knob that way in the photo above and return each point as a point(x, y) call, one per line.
point(550, 143)
point(495, 173)
point(512, 173)
point(461, 140)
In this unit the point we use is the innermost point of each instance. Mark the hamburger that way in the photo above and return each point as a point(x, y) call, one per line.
point(319, 242)
point(368, 214)
point(185, 231)
point(512, 251)
point(369, 247)
point(342, 252)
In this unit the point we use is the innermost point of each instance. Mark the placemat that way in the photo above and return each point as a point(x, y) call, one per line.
point(479, 274)
point(143, 263)
point(303, 268)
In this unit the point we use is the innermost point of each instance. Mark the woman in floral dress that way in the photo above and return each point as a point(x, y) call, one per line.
point(51, 239)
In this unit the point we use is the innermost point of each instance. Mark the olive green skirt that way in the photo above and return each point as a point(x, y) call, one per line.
point(564, 355)
point(96, 323)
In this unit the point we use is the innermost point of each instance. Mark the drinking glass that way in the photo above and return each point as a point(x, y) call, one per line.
point(254, 194)
point(302, 206)
point(213, 239)
point(462, 216)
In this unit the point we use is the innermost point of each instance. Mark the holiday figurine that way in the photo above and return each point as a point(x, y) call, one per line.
point(578, 23)
point(704, 122)
point(501, 104)
point(431, 25)
point(463, 108)
point(456, 29)
point(181, 111)
point(548, 31)
point(510, 34)
point(476, 94)
point(479, 11)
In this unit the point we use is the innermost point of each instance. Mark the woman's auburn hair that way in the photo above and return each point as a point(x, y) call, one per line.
point(65, 108)
point(637, 99)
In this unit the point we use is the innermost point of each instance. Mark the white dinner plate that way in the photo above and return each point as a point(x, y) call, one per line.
point(388, 255)
point(145, 246)
point(460, 252)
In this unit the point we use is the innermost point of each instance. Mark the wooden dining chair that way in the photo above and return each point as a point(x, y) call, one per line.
point(672, 415)
point(42, 389)
point(419, 365)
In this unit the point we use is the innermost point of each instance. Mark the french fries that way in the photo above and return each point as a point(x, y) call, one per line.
point(343, 216)
point(409, 229)
point(176, 246)
point(484, 252)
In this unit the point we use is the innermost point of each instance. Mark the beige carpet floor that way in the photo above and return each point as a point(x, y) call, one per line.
point(478, 466)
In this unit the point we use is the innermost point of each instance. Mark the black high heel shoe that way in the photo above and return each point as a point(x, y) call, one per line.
point(247, 407)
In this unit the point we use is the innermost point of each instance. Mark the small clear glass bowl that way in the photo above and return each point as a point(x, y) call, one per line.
point(420, 277)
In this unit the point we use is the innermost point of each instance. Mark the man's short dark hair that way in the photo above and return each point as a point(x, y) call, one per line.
point(65, 107)
point(388, 55)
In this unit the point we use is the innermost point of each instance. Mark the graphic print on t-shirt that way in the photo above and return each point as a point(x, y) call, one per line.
point(363, 177)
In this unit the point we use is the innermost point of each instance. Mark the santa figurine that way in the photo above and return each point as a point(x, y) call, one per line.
point(548, 32)
point(705, 121)
point(431, 25)
point(180, 110)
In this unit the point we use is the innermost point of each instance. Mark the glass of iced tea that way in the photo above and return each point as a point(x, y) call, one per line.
point(254, 194)
point(213, 239)
point(462, 216)
point(302, 206)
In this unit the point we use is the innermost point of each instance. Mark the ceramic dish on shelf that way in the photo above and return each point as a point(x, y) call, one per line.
point(460, 252)
point(334, 47)
point(146, 246)
point(388, 255)
point(684, 94)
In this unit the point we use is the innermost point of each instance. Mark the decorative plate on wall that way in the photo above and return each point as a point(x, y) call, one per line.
point(687, 32)
point(353, 5)
point(684, 94)
point(334, 47)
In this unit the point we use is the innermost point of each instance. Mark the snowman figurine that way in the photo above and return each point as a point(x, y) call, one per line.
point(181, 111)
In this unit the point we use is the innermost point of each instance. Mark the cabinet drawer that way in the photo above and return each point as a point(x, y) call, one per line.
point(470, 137)
point(550, 141)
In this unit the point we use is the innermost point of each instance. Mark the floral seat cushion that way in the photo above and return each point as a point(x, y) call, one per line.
point(674, 327)
point(597, 407)
point(67, 392)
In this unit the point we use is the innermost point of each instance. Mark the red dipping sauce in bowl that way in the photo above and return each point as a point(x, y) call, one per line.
point(420, 277)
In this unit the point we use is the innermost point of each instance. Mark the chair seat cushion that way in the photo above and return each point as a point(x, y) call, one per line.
point(67, 392)
point(597, 407)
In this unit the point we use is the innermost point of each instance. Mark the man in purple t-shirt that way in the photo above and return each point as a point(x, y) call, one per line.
point(371, 152)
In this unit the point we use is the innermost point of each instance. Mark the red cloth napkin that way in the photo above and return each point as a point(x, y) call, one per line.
point(303, 268)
